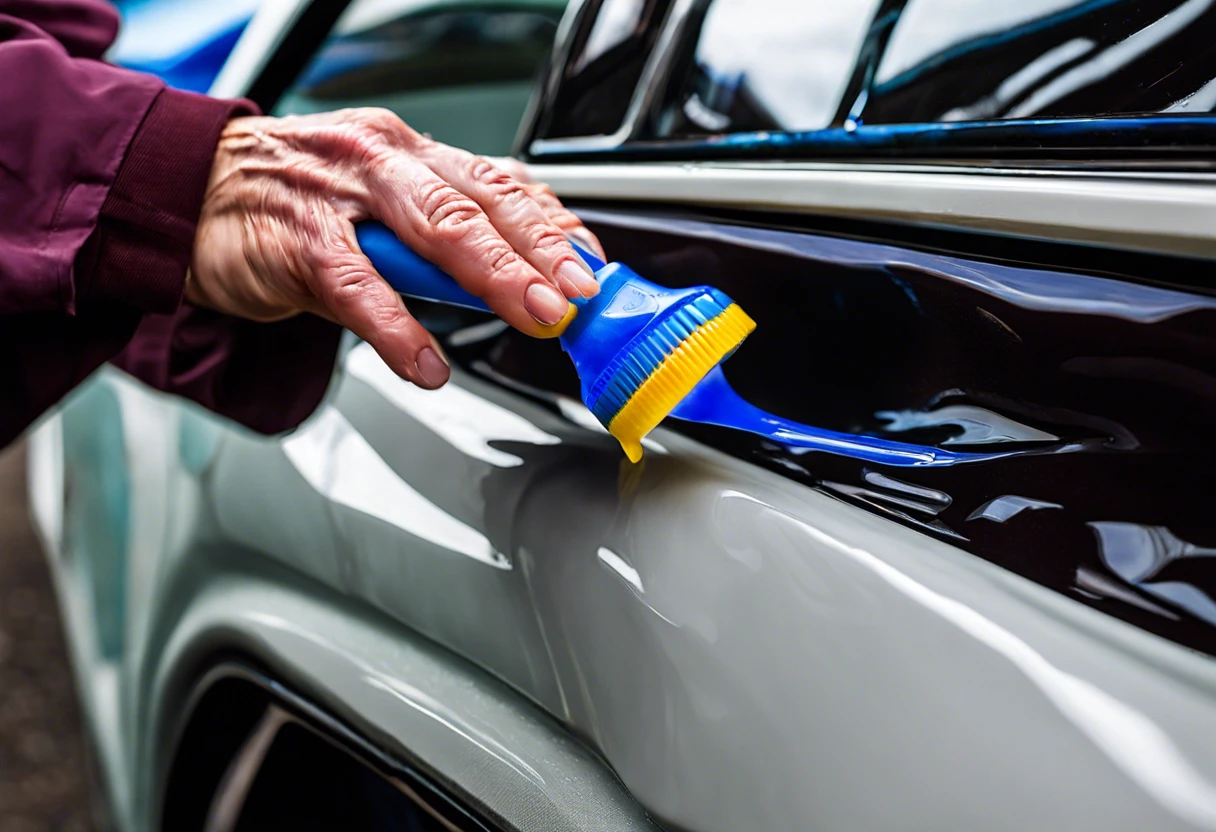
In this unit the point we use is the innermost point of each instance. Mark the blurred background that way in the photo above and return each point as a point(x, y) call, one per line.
point(44, 772)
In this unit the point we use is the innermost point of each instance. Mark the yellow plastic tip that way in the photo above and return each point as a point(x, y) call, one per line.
point(554, 330)
point(676, 375)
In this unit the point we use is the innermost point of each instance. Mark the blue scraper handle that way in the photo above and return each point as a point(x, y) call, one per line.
point(414, 276)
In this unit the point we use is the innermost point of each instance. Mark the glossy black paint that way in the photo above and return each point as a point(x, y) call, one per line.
point(1102, 388)
point(1187, 144)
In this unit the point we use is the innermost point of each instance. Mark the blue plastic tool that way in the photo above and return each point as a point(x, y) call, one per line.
point(619, 339)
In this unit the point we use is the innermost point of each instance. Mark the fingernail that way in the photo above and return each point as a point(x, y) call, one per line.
point(431, 366)
point(578, 275)
point(545, 303)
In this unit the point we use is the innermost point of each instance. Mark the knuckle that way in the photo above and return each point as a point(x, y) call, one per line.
point(543, 236)
point(345, 280)
point(349, 285)
point(501, 184)
point(367, 145)
point(490, 175)
point(385, 317)
point(500, 264)
point(373, 134)
point(485, 171)
point(379, 119)
point(446, 210)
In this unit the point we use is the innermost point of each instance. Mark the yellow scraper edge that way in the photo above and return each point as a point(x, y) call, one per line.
point(676, 375)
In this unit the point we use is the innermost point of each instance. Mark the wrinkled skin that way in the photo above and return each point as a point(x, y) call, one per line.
point(276, 235)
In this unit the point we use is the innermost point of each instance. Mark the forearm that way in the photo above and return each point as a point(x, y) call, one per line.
point(67, 124)
point(102, 175)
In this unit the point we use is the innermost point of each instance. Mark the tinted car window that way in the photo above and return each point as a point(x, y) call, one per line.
point(460, 72)
point(784, 79)
point(960, 60)
point(766, 65)
point(605, 66)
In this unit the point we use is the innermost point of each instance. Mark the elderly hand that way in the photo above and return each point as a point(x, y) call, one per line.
point(276, 234)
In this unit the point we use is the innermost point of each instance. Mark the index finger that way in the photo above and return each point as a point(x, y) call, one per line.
point(559, 214)
point(449, 228)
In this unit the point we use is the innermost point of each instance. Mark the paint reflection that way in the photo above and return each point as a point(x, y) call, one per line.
point(1143, 556)
point(767, 65)
point(1002, 508)
point(618, 565)
point(1092, 396)
point(468, 422)
point(1129, 738)
point(910, 503)
point(335, 459)
point(913, 504)
point(976, 425)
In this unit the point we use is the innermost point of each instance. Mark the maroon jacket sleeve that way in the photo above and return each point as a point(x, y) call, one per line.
point(102, 175)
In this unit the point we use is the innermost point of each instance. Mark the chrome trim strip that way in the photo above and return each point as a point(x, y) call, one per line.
point(229, 799)
point(1168, 215)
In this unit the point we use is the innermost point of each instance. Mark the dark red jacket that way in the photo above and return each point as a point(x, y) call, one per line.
point(102, 174)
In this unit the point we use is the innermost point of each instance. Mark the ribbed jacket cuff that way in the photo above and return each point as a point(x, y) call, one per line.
point(142, 245)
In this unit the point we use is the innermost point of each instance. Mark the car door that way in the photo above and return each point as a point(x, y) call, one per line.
point(1014, 633)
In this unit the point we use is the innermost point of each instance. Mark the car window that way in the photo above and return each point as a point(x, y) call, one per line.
point(607, 56)
point(959, 60)
point(766, 65)
point(460, 71)
point(779, 79)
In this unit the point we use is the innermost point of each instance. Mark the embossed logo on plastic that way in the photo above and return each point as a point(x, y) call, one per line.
point(631, 301)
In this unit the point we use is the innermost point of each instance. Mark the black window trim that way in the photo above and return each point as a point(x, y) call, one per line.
point(293, 52)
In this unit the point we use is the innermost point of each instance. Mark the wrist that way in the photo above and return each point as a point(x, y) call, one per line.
point(141, 248)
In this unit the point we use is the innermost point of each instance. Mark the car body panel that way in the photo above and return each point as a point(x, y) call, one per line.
point(477, 582)
point(740, 648)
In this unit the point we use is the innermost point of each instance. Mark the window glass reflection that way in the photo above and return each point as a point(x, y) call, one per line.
point(767, 65)
point(605, 67)
point(929, 28)
point(617, 22)
point(461, 73)
point(958, 60)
